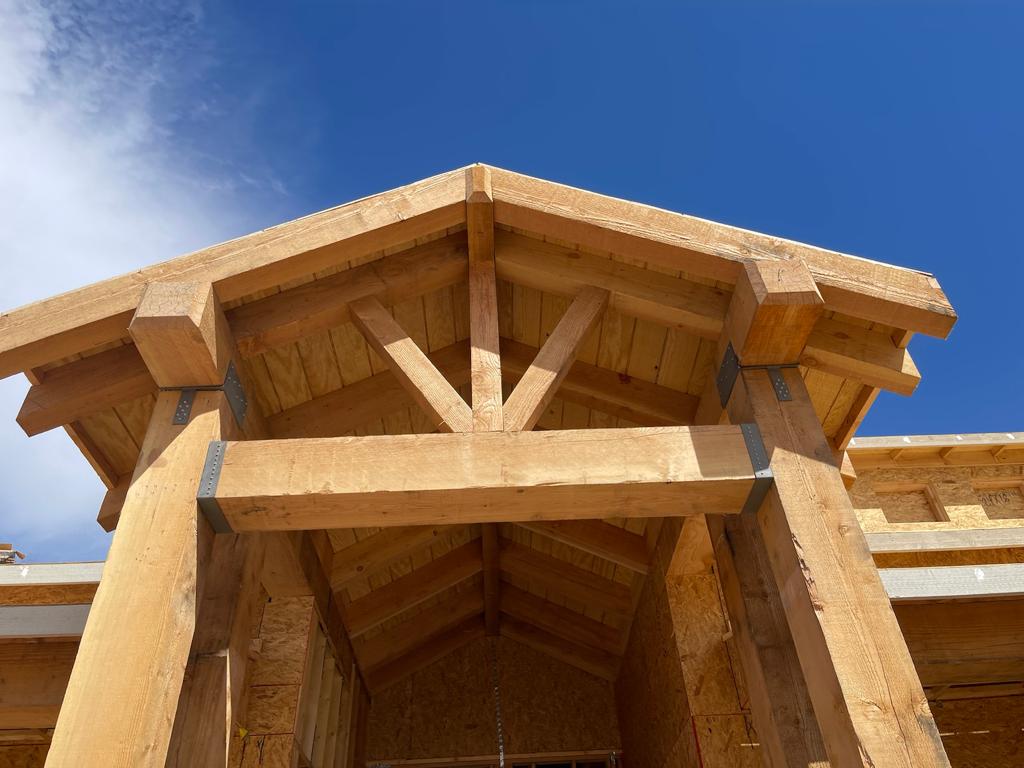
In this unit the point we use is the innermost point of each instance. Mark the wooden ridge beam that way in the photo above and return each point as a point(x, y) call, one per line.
point(598, 538)
point(592, 660)
point(565, 579)
point(561, 622)
point(74, 322)
point(413, 369)
point(490, 553)
point(425, 654)
point(413, 588)
point(540, 382)
point(379, 551)
point(294, 313)
point(403, 638)
point(484, 477)
point(883, 293)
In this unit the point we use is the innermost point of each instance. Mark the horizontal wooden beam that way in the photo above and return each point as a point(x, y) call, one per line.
point(413, 588)
point(561, 622)
point(98, 314)
point(482, 477)
point(952, 540)
point(898, 297)
point(966, 582)
point(599, 663)
point(599, 538)
point(565, 579)
point(425, 654)
point(378, 552)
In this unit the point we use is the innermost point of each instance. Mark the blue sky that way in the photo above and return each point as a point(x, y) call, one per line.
point(137, 131)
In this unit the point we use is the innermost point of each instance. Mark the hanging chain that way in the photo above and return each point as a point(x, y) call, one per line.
point(492, 645)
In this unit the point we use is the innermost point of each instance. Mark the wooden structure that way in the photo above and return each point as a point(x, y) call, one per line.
point(627, 403)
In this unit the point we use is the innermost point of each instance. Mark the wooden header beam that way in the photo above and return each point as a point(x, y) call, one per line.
point(484, 477)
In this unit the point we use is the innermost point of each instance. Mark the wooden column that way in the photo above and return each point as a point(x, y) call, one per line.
point(164, 569)
point(838, 659)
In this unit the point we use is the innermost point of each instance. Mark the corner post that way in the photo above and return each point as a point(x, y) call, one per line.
point(829, 669)
point(163, 634)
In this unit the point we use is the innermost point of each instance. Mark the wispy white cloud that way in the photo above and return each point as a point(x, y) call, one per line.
point(100, 173)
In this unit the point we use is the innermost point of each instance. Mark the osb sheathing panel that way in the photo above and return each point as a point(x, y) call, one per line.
point(447, 709)
point(971, 497)
point(650, 693)
point(48, 594)
point(274, 680)
point(982, 733)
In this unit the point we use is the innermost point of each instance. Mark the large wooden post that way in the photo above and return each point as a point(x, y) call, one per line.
point(164, 569)
point(825, 657)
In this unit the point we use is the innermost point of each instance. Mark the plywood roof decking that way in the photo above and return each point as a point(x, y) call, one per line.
point(286, 292)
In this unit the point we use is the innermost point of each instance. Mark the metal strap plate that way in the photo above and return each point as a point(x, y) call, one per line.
point(184, 409)
point(206, 495)
point(235, 394)
point(779, 384)
point(727, 374)
point(763, 477)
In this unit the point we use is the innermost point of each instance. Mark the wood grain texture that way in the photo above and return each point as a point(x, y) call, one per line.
point(413, 369)
point(541, 380)
point(483, 477)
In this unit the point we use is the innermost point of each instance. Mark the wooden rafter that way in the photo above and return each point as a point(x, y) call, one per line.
point(375, 553)
point(592, 660)
point(559, 621)
point(99, 314)
point(564, 579)
point(483, 477)
point(402, 638)
point(293, 314)
point(870, 290)
point(415, 587)
point(541, 380)
point(425, 654)
point(609, 542)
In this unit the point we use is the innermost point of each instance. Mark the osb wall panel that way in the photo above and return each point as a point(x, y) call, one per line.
point(886, 500)
point(447, 709)
point(982, 733)
point(654, 714)
point(971, 497)
point(274, 681)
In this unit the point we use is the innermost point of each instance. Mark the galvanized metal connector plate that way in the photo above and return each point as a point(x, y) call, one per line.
point(763, 477)
point(232, 389)
point(779, 384)
point(206, 496)
point(727, 374)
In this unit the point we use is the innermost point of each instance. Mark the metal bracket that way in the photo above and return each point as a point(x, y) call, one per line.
point(206, 496)
point(731, 368)
point(779, 384)
point(763, 477)
point(232, 389)
point(727, 374)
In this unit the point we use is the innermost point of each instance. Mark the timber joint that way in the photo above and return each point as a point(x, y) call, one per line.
point(232, 389)
point(731, 367)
